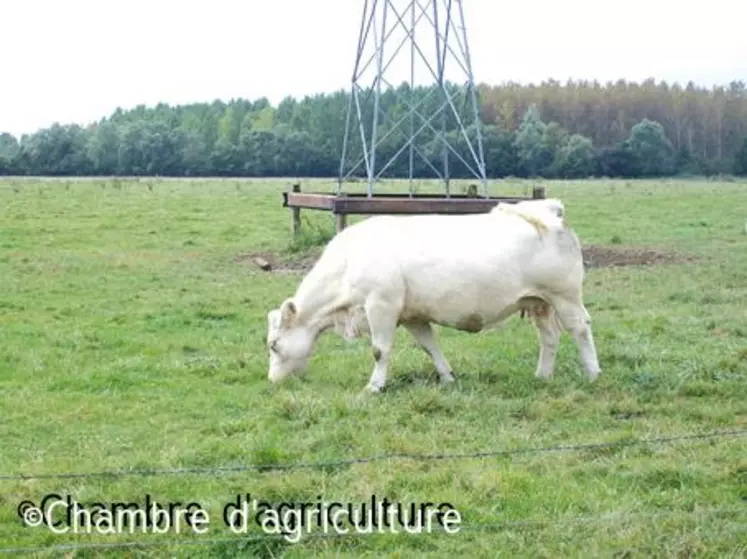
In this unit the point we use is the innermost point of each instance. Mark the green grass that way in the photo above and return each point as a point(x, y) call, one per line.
point(131, 337)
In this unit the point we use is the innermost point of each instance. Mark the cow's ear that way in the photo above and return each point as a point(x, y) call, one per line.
point(287, 312)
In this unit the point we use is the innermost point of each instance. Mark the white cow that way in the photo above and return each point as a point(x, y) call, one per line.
point(469, 272)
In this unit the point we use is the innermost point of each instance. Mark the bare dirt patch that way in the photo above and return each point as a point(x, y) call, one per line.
point(595, 256)
point(279, 262)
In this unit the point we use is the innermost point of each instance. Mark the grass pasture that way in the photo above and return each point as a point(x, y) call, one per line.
point(131, 340)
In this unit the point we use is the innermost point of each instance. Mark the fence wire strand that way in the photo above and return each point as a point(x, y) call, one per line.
point(225, 470)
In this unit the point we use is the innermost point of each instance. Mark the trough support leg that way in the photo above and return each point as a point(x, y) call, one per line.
point(296, 214)
point(538, 192)
point(340, 222)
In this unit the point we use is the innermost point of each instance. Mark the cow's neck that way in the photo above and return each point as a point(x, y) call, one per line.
point(317, 307)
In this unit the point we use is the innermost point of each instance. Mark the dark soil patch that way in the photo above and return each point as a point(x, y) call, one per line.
point(594, 257)
point(607, 256)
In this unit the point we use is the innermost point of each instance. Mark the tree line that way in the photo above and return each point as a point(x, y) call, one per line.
point(552, 130)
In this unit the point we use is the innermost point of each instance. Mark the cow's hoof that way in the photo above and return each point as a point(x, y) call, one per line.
point(373, 389)
point(448, 379)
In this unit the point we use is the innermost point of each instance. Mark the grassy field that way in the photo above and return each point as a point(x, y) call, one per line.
point(132, 338)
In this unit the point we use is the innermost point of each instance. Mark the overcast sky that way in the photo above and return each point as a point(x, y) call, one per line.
point(77, 60)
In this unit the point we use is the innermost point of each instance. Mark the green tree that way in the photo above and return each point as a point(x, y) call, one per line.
point(618, 161)
point(264, 119)
point(224, 158)
point(57, 150)
point(652, 151)
point(534, 155)
point(740, 159)
point(9, 150)
point(103, 148)
point(195, 156)
point(259, 152)
point(577, 158)
point(554, 139)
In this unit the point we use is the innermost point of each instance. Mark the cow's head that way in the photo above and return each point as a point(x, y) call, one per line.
point(289, 342)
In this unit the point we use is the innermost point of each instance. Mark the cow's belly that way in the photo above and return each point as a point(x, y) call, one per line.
point(462, 302)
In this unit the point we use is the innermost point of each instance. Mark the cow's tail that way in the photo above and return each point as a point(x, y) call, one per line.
point(543, 214)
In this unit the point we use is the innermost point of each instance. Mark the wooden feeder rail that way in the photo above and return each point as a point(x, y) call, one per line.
point(342, 205)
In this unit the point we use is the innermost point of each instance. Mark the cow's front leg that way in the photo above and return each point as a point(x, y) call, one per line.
point(382, 319)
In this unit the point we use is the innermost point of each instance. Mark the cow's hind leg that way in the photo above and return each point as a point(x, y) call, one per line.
point(576, 320)
point(382, 319)
point(426, 338)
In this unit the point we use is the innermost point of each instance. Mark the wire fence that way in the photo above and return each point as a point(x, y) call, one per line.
point(265, 538)
point(224, 470)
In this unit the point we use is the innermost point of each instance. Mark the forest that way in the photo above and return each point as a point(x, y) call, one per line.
point(552, 130)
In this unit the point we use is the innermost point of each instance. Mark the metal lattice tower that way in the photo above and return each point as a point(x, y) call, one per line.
point(435, 32)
